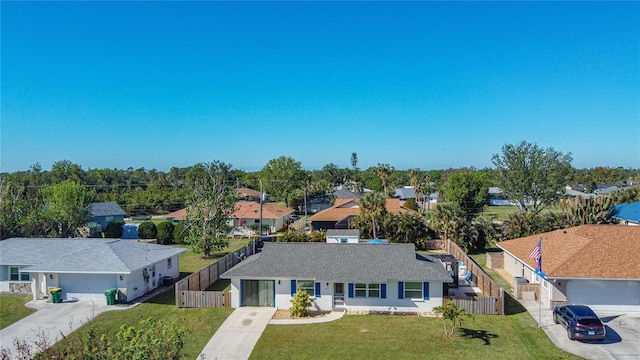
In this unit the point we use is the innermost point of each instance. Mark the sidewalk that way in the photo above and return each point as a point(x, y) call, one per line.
point(237, 336)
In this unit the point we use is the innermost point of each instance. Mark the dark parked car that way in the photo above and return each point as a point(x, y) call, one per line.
point(580, 321)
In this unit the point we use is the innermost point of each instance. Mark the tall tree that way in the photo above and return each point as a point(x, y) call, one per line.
point(372, 208)
point(68, 206)
point(210, 202)
point(532, 176)
point(468, 191)
point(354, 161)
point(383, 171)
point(282, 176)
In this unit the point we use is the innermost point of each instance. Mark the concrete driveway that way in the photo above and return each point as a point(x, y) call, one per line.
point(622, 341)
point(51, 321)
point(236, 337)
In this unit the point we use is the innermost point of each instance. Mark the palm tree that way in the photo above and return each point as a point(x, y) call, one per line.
point(451, 313)
point(383, 172)
point(372, 207)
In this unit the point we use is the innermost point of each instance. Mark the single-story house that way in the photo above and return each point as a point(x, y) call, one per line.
point(338, 216)
point(247, 194)
point(568, 191)
point(603, 189)
point(594, 265)
point(351, 277)
point(408, 192)
point(247, 213)
point(628, 214)
point(343, 236)
point(105, 212)
point(85, 268)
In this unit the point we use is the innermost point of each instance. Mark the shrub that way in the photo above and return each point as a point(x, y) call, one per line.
point(147, 230)
point(317, 236)
point(165, 233)
point(179, 233)
point(114, 229)
point(300, 304)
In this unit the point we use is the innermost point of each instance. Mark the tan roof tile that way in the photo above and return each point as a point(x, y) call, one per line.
point(344, 208)
point(587, 251)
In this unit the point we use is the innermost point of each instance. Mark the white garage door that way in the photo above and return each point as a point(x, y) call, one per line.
point(615, 295)
point(86, 286)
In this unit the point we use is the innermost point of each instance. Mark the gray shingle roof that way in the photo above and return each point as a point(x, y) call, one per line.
point(340, 263)
point(82, 255)
point(106, 209)
point(405, 193)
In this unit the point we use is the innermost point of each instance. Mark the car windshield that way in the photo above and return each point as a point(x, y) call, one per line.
point(589, 322)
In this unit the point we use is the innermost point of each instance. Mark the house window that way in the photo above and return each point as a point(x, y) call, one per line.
point(169, 263)
point(343, 240)
point(15, 275)
point(367, 290)
point(412, 290)
point(545, 284)
point(308, 286)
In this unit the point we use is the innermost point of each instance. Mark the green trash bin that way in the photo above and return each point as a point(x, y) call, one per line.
point(111, 296)
point(56, 295)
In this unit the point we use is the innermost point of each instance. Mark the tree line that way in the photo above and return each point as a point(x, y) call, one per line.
point(532, 176)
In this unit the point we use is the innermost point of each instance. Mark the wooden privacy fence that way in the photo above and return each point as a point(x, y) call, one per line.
point(476, 305)
point(202, 279)
point(485, 283)
point(199, 299)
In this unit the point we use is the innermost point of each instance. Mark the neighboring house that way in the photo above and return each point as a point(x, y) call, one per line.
point(247, 213)
point(247, 194)
point(408, 192)
point(498, 198)
point(594, 265)
point(603, 189)
point(351, 277)
point(338, 216)
point(575, 193)
point(628, 214)
point(343, 236)
point(105, 212)
point(85, 268)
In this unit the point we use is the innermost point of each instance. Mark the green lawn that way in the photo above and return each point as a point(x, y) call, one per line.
point(191, 262)
point(12, 308)
point(498, 212)
point(397, 337)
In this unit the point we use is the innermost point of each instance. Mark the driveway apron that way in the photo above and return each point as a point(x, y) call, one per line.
point(237, 336)
point(50, 322)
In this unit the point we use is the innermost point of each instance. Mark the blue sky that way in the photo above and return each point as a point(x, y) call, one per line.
point(427, 85)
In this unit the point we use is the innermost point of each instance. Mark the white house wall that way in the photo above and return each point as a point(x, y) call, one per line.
point(325, 300)
point(338, 239)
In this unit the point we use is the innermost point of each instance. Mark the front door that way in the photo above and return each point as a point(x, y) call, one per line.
point(338, 289)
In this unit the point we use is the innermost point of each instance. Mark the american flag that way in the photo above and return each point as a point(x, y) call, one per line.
point(537, 251)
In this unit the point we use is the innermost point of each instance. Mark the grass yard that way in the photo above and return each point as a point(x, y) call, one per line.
point(191, 262)
point(12, 308)
point(398, 337)
point(498, 212)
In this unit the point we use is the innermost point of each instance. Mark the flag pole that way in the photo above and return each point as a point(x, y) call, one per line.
point(540, 286)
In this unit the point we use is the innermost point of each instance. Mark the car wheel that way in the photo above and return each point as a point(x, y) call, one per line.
point(555, 318)
point(570, 334)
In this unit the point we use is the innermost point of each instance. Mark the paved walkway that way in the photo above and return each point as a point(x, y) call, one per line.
point(237, 336)
point(334, 315)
